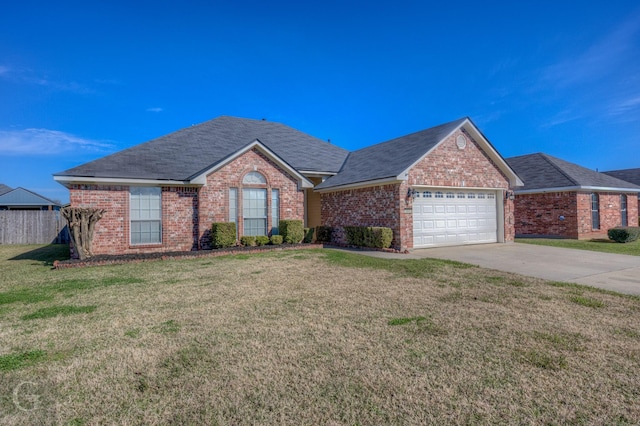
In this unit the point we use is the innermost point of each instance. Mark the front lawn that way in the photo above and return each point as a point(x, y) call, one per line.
point(605, 246)
point(309, 337)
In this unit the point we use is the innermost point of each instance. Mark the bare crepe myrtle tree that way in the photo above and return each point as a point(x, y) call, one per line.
point(82, 222)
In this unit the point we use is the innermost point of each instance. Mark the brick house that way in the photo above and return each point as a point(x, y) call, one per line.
point(445, 185)
point(562, 199)
point(628, 175)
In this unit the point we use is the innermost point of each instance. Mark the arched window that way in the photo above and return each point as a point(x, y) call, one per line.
point(254, 178)
point(595, 211)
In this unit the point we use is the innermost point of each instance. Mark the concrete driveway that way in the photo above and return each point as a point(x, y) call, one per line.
point(615, 272)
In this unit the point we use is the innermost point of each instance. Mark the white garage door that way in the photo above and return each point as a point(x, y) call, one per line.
point(452, 217)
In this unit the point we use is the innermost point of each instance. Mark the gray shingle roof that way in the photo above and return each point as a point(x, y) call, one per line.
point(542, 171)
point(629, 175)
point(184, 154)
point(391, 158)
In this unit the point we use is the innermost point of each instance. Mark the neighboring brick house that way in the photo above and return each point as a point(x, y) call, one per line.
point(628, 175)
point(562, 199)
point(441, 186)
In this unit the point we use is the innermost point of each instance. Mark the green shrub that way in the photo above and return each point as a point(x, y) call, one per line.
point(324, 234)
point(379, 237)
point(292, 230)
point(308, 235)
point(276, 240)
point(262, 240)
point(369, 236)
point(624, 234)
point(248, 240)
point(223, 234)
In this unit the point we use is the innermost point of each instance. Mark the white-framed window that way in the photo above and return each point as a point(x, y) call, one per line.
point(145, 215)
point(254, 211)
point(471, 195)
point(275, 211)
point(254, 178)
point(450, 195)
point(491, 196)
point(460, 194)
point(481, 196)
point(426, 194)
point(439, 194)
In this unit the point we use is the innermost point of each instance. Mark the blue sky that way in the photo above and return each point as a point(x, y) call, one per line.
point(80, 80)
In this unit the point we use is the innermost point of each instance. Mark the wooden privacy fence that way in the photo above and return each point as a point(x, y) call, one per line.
point(33, 227)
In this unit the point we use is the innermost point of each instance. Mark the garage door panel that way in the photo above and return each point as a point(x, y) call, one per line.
point(464, 218)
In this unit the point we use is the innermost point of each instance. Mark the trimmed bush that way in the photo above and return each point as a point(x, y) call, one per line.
point(625, 234)
point(276, 240)
point(223, 234)
point(324, 234)
point(248, 240)
point(308, 235)
point(292, 230)
point(369, 236)
point(262, 240)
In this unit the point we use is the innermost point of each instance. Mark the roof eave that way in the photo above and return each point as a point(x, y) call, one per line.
point(363, 184)
point(576, 188)
point(201, 177)
point(92, 180)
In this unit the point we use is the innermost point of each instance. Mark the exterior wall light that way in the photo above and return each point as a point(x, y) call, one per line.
point(411, 193)
point(509, 195)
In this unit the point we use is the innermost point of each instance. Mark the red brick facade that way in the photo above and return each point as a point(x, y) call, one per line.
point(187, 212)
point(568, 214)
point(388, 205)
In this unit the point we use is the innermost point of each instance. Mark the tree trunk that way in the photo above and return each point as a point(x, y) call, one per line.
point(82, 222)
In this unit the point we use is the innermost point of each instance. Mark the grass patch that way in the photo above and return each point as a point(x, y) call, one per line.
point(315, 338)
point(54, 311)
point(588, 302)
point(402, 321)
point(167, 327)
point(20, 360)
point(543, 360)
point(604, 246)
point(415, 268)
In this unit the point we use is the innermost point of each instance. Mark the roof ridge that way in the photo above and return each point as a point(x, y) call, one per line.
point(548, 158)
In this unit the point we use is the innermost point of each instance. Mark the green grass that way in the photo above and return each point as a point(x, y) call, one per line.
point(402, 321)
point(589, 302)
point(415, 268)
point(605, 246)
point(19, 360)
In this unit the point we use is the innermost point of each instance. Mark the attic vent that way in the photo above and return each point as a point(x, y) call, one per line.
point(461, 142)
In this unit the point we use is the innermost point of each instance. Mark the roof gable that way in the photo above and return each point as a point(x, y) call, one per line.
point(393, 159)
point(24, 197)
point(544, 172)
point(183, 154)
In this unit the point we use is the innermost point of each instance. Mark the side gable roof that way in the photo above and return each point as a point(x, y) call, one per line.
point(184, 154)
point(542, 172)
point(629, 175)
point(391, 160)
point(24, 197)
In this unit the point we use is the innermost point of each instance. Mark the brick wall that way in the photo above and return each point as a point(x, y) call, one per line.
point(111, 236)
point(387, 205)
point(372, 206)
point(540, 214)
point(214, 195)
